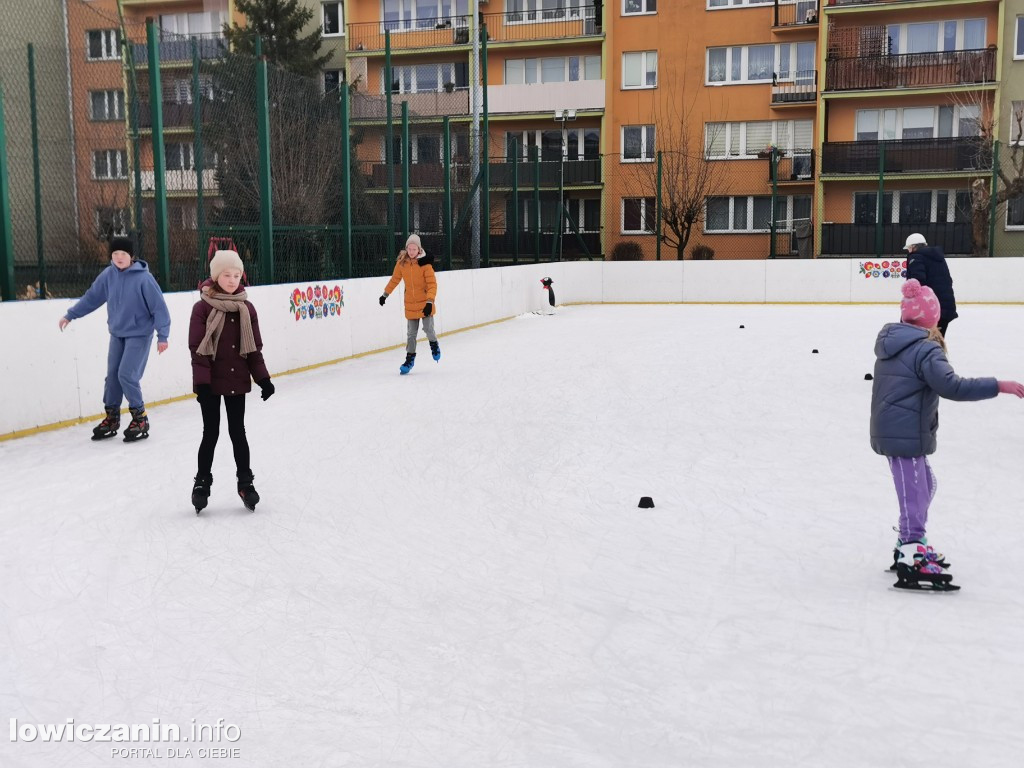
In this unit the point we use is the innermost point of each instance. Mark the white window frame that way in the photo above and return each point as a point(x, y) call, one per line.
point(409, 21)
point(341, 78)
point(748, 202)
point(645, 4)
point(117, 164)
point(534, 12)
point(183, 215)
point(110, 42)
point(186, 156)
point(532, 138)
point(323, 19)
point(788, 147)
point(896, 113)
point(407, 77)
point(122, 216)
point(416, 216)
point(779, 74)
point(538, 69)
point(647, 153)
point(645, 216)
point(725, 5)
point(181, 24)
point(933, 215)
point(901, 38)
point(1018, 39)
point(1007, 226)
point(644, 55)
point(1016, 109)
point(113, 97)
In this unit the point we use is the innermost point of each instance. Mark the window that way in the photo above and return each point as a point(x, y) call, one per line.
point(182, 215)
point(197, 23)
point(332, 19)
point(937, 36)
point(558, 69)
point(1016, 121)
point(532, 11)
point(735, 3)
point(639, 215)
point(425, 215)
point(640, 70)
point(429, 78)
point(913, 207)
point(637, 143)
point(1015, 213)
point(103, 44)
point(110, 164)
point(1018, 51)
point(406, 15)
point(179, 156)
point(744, 140)
point(942, 122)
point(637, 7)
point(106, 105)
point(754, 213)
point(761, 63)
point(333, 78)
point(111, 221)
point(578, 144)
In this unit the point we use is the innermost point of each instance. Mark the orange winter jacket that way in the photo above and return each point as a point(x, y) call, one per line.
point(420, 284)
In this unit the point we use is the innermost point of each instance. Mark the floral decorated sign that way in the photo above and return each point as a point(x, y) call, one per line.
point(317, 301)
point(883, 269)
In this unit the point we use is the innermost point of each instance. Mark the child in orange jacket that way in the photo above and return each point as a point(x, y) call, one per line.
point(414, 269)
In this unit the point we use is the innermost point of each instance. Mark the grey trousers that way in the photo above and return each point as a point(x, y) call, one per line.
point(414, 328)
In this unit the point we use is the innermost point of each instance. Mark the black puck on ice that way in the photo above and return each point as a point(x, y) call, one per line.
point(646, 502)
point(814, 351)
point(868, 377)
point(743, 326)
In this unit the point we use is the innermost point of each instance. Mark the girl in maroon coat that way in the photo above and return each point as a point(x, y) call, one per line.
point(224, 336)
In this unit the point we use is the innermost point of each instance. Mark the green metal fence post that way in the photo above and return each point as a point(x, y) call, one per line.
point(133, 128)
point(515, 201)
point(197, 152)
point(774, 168)
point(36, 177)
point(535, 152)
point(485, 206)
point(7, 291)
point(389, 138)
point(406, 161)
point(993, 198)
point(881, 196)
point(658, 206)
point(346, 182)
point(449, 234)
point(156, 104)
point(263, 140)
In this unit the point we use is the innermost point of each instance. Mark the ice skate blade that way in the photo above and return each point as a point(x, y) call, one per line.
point(98, 438)
point(926, 586)
point(143, 436)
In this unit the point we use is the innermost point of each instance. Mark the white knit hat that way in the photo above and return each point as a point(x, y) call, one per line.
point(414, 239)
point(225, 260)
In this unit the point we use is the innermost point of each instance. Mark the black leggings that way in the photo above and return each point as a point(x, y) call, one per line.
point(235, 406)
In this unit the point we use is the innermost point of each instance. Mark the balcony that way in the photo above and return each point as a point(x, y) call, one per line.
point(573, 173)
point(175, 115)
point(503, 245)
point(802, 14)
point(860, 239)
point(906, 156)
point(175, 49)
point(912, 70)
point(181, 181)
point(797, 167)
point(406, 34)
point(552, 24)
point(802, 91)
point(861, 3)
point(453, 103)
point(580, 95)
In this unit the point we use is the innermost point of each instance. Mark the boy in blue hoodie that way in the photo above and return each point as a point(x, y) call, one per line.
point(135, 308)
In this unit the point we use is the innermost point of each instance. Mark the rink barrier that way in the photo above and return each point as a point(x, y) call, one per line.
point(51, 380)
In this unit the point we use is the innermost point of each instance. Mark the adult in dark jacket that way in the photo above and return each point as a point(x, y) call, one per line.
point(927, 265)
point(227, 355)
point(135, 309)
point(911, 374)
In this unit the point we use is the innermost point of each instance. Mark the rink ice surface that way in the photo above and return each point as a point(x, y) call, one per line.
point(449, 569)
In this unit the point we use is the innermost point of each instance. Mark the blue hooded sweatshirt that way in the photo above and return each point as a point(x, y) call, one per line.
point(135, 304)
point(911, 373)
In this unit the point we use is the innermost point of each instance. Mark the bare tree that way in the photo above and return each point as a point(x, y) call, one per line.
point(688, 176)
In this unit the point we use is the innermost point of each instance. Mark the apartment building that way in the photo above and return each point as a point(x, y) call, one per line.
point(908, 87)
point(1009, 124)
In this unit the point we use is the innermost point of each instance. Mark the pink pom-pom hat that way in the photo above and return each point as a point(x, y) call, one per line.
point(919, 306)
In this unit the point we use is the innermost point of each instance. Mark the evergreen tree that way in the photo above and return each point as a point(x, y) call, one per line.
point(279, 25)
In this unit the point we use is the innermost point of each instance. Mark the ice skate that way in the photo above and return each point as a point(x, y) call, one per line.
point(914, 571)
point(138, 428)
point(201, 491)
point(246, 490)
point(435, 351)
point(410, 361)
point(109, 426)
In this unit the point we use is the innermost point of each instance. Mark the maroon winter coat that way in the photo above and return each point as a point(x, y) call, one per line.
point(230, 373)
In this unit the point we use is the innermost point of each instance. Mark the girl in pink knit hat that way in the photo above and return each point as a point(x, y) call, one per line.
point(911, 374)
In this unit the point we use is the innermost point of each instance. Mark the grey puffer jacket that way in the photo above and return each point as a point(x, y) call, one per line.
point(911, 374)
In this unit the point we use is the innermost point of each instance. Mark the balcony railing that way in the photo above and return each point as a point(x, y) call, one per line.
point(860, 239)
point(181, 181)
point(435, 32)
point(580, 95)
point(911, 70)
point(177, 49)
point(802, 90)
point(906, 156)
point(502, 245)
point(802, 13)
point(175, 115)
point(431, 175)
point(431, 104)
point(551, 24)
point(798, 166)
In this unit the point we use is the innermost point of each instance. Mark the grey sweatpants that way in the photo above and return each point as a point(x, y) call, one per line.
point(414, 328)
point(915, 489)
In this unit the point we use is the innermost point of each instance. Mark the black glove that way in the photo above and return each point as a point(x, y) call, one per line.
point(383, 298)
point(203, 392)
point(428, 309)
point(267, 388)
